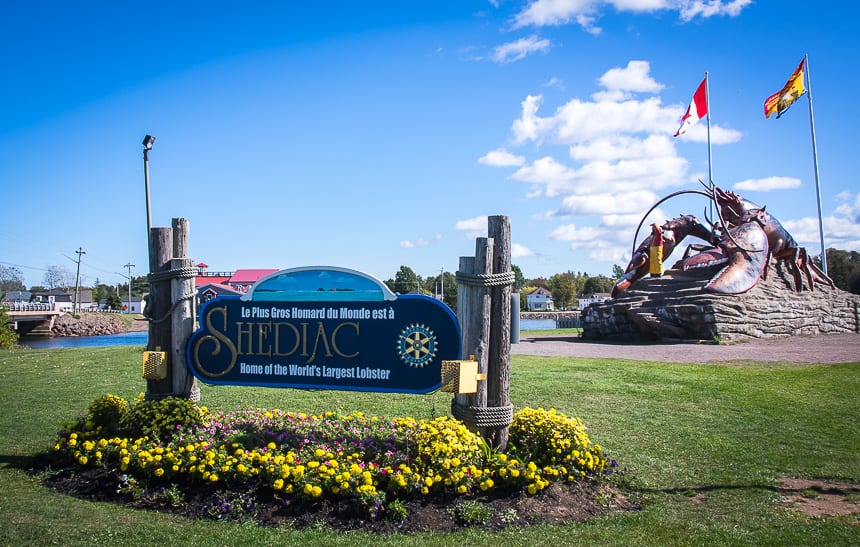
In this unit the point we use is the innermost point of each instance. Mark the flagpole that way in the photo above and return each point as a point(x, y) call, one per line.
point(710, 157)
point(815, 162)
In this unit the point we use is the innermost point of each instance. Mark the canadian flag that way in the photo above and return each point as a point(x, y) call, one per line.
point(697, 110)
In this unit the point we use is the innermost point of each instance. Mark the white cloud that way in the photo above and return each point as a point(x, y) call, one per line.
point(841, 230)
point(719, 135)
point(420, 242)
point(520, 251)
point(474, 227)
point(519, 49)
point(710, 8)
point(606, 203)
point(585, 13)
point(501, 158)
point(569, 232)
point(529, 126)
point(767, 184)
point(850, 206)
point(616, 147)
point(633, 78)
point(554, 82)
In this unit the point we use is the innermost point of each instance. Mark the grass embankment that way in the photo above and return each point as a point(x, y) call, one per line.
point(704, 445)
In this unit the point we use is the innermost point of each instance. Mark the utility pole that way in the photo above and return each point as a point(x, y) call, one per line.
point(129, 266)
point(80, 252)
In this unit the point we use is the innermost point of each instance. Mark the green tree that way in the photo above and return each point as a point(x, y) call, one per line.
point(405, 280)
point(8, 336)
point(617, 272)
point(113, 302)
point(843, 267)
point(445, 282)
point(139, 285)
point(11, 279)
point(519, 278)
point(564, 290)
point(601, 283)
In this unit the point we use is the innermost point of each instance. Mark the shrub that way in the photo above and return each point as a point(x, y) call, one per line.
point(106, 413)
point(555, 443)
point(8, 336)
point(160, 419)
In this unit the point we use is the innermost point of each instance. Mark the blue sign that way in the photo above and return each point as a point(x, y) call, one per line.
point(324, 328)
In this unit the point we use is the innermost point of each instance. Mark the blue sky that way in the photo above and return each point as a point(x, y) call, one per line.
point(371, 135)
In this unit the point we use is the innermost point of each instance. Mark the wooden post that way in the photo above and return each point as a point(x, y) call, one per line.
point(171, 309)
point(499, 367)
point(484, 312)
point(158, 304)
point(184, 383)
point(473, 313)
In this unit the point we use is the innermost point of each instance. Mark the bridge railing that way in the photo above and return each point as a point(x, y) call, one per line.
point(27, 306)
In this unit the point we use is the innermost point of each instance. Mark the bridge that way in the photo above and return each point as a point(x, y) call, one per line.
point(35, 319)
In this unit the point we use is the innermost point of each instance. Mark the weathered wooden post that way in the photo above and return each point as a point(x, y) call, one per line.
point(170, 310)
point(483, 310)
point(473, 314)
point(499, 368)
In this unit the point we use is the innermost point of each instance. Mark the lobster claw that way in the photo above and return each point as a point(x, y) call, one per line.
point(744, 261)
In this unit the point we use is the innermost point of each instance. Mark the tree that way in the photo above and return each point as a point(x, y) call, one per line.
point(58, 277)
point(113, 302)
point(8, 337)
point(593, 285)
point(447, 284)
point(405, 280)
point(843, 267)
point(519, 278)
point(103, 292)
point(538, 282)
point(617, 272)
point(563, 287)
point(11, 279)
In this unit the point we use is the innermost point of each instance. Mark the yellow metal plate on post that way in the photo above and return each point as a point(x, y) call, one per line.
point(460, 376)
point(154, 365)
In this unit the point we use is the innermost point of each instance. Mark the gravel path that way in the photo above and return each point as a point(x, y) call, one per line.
point(832, 348)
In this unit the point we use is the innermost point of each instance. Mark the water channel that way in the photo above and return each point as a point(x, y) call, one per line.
point(140, 338)
point(55, 342)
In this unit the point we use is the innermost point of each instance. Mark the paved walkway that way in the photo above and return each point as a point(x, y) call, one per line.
point(832, 348)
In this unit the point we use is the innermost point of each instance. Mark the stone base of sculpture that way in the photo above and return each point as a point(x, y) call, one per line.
point(674, 307)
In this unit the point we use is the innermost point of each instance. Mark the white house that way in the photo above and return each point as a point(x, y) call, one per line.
point(589, 299)
point(539, 299)
point(135, 306)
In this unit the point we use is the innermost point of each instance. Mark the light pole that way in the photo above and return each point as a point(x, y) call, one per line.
point(129, 266)
point(80, 252)
point(147, 146)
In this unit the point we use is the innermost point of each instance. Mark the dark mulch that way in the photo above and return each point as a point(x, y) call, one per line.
point(559, 503)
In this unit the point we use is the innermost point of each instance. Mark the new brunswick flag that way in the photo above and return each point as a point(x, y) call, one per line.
point(785, 97)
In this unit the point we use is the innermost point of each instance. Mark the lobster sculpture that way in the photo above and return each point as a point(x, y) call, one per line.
point(743, 242)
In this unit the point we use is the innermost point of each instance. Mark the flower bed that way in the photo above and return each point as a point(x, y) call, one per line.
point(374, 462)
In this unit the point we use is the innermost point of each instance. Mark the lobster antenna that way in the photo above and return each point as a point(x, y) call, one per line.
point(673, 194)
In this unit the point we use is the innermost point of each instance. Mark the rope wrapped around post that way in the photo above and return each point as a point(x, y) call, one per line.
point(477, 417)
point(487, 280)
point(168, 275)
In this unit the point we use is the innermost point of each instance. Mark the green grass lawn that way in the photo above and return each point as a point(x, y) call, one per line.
point(702, 444)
